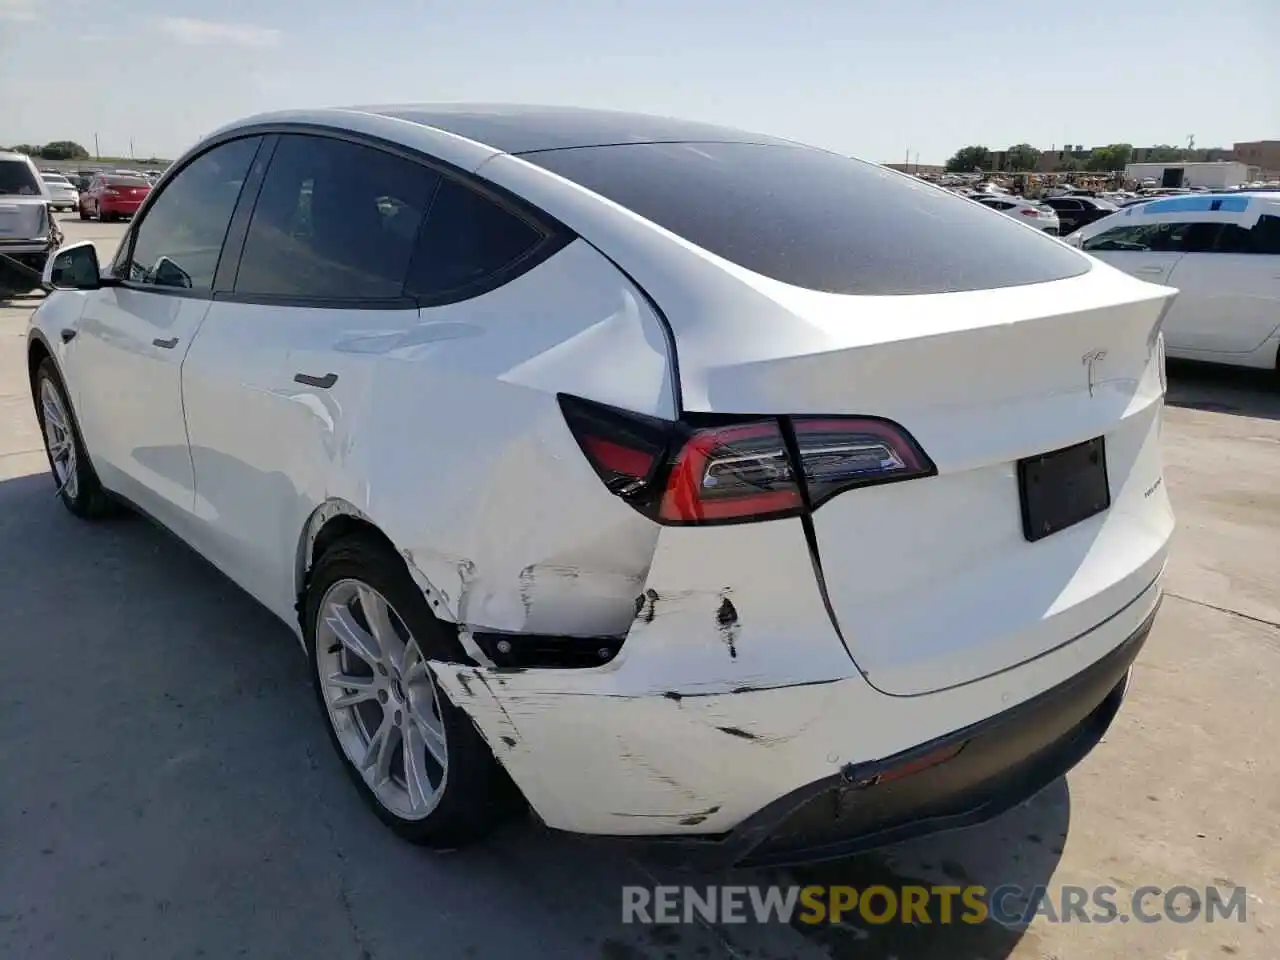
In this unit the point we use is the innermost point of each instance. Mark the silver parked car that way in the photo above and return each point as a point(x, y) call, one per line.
point(28, 231)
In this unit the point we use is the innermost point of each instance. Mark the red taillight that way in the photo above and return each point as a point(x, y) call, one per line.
point(730, 473)
point(726, 472)
point(1029, 212)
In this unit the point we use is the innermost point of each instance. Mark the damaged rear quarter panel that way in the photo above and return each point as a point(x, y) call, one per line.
point(730, 657)
point(476, 477)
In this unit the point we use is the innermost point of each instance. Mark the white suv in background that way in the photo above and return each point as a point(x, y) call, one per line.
point(1222, 251)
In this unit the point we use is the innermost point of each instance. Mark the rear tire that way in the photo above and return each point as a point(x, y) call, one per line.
point(73, 475)
point(394, 699)
point(84, 214)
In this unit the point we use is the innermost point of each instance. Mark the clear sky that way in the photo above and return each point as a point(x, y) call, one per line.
point(874, 79)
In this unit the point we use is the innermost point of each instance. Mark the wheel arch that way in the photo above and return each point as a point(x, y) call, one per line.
point(37, 352)
point(334, 520)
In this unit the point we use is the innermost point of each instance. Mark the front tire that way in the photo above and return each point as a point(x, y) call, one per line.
point(77, 483)
point(415, 758)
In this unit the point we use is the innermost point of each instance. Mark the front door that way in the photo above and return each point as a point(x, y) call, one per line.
point(125, 364)
point(133, 336)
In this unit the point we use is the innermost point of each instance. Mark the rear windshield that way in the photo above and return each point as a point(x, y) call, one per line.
point(815, 219)
point(16, 179)
point(127, 182)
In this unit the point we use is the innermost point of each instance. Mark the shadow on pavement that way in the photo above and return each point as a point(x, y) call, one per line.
point(1221, 389)
point(169, 791)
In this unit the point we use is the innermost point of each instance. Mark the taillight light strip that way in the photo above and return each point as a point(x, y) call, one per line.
point(739, 469)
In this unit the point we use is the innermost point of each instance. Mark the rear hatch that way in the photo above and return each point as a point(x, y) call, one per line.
point(1002, 555)
point(23, 203)
point(803, 283)
point(23, 218)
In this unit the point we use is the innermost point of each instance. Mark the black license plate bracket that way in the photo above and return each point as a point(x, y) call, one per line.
point(1063, 487)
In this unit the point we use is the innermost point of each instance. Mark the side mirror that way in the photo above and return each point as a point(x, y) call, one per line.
point(73, 267)
point(169, 274)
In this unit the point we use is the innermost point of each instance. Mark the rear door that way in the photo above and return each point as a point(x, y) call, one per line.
point(1070, 212)
point(126, 358)
point(1230, 283)
point(1148, 251)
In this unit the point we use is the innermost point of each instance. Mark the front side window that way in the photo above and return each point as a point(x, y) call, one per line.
point(467, 239)
point(815, 219)
point(178, 243)
point(334, 221)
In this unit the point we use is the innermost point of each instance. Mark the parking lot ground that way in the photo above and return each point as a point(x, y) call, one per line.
point(167, 788)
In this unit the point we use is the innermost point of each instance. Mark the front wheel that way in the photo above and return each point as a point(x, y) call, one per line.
point(78, 485)
point(415, 758)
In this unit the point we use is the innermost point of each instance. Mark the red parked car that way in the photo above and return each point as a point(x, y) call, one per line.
point(113, 195)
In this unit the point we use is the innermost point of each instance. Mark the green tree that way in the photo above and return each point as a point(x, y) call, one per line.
point(967, 159)
point(27, 148)
point(1109, 158)
point(1022, 157)
point(64, 150)
point(1164, 153)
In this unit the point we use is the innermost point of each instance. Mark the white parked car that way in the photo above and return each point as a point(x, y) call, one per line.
point(62, 192)
point(686, 482)
point(1033, 214)
point(1222, 252)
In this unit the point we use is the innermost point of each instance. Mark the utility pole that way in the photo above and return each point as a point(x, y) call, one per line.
point(132, 155)
point(97, 153)
point(906, 166)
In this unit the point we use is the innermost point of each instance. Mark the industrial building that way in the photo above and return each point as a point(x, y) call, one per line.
point(1215, 174)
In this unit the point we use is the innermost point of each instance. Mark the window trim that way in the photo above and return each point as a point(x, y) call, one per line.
point(127, 244)
point(556, 236)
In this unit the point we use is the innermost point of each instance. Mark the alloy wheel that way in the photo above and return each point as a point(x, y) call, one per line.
point(59, 439)
point(381, 699)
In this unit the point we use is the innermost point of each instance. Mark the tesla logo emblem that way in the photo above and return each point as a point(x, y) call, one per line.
point(1091, 360)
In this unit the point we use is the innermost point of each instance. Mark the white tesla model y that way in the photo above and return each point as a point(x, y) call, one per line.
point(688, 483)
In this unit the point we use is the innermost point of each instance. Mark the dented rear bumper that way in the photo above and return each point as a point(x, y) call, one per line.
point(988, 768)
point(726, 731)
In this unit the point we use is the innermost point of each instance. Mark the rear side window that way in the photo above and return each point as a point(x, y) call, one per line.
point(334, 221)
point(179, 239)
point(468, 238)
point(815, 219)
point(17, 180)
point(1141, 238)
